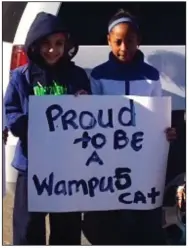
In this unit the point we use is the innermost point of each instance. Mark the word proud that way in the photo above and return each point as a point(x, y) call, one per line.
point(126, 117)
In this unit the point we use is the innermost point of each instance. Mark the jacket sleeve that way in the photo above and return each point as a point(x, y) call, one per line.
point(86, 83)
point(157, 89)
point(96, 86)
point(17, 121)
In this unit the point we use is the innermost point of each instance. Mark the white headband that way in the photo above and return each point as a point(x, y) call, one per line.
point(121, 20)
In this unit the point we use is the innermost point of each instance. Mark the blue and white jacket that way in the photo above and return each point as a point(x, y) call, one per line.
point(116, 78)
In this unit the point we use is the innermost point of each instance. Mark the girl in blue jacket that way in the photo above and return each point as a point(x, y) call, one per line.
point(48, 72)
point(126, 73)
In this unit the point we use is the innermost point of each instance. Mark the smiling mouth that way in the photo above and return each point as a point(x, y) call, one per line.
point(52, 58)
point(123, 56)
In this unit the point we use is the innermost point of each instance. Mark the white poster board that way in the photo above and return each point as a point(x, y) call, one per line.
point(79, 160)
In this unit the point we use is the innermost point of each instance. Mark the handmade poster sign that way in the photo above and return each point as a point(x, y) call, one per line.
point(91, 153)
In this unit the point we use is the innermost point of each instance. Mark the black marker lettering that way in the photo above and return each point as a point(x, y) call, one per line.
point(77, 185)
point(122, 198)
point(60, 188)
point(153, 194)
point(136, 138)
point(92, 121)
point(95, 159)
point(40, 187)
point(139, 197)
point(108, 187)
point(51, 118)
point(131, 111)
point(70, 121)
point(122, 173)
point(93, 184)
point(110, 119)
point(119, 136)
point(85, 139)
point(94, 140)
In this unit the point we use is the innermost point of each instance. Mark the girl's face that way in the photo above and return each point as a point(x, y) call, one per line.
point(53, 47)
point(124, 42)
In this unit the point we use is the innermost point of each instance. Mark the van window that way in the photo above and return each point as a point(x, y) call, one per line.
point(12, 12)
point(161, 23)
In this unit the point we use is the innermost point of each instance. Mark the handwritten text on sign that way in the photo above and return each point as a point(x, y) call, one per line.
point(97, 153)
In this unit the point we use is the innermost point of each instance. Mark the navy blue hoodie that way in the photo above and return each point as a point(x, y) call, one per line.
point(135, 78)
point(26, 79)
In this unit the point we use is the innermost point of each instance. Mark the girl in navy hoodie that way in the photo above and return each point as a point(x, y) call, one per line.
point(48, 72)
point(125, 73)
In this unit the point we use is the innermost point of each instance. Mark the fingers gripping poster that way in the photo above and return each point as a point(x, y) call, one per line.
point(91, 153)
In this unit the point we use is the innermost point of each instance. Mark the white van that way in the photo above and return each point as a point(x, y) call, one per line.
point(163, 48)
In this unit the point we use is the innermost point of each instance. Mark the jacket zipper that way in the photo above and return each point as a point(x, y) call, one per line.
point(127, 88)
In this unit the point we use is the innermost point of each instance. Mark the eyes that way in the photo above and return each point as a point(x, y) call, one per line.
point(118, 42)
point(60, 43)
point(129, 41)
point(56, 43)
